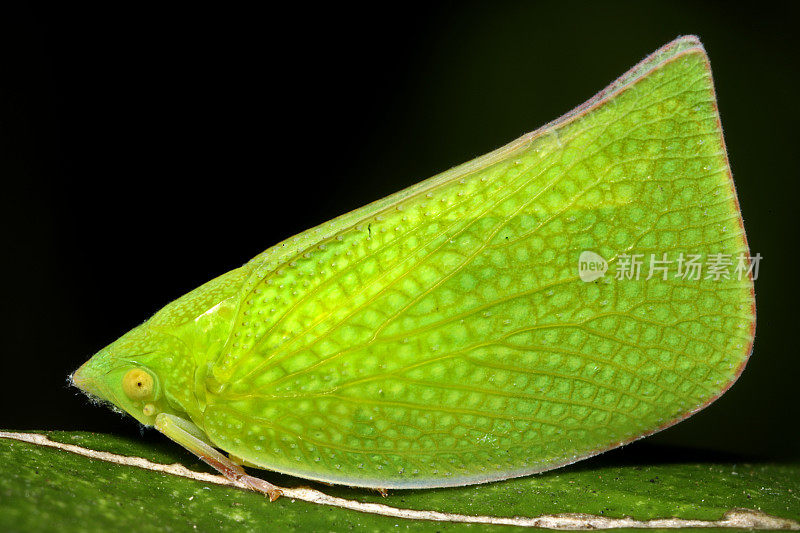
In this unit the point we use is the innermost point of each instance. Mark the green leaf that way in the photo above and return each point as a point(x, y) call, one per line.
point(42, 485)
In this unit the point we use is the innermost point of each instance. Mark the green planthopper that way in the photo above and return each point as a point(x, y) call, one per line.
point(584, 286)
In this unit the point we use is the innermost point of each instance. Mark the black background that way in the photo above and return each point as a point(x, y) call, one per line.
point(146, 151)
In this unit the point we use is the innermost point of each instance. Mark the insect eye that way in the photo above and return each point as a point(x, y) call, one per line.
point(137, 384)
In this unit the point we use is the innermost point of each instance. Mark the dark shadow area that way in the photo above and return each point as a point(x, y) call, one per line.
point(643, 453)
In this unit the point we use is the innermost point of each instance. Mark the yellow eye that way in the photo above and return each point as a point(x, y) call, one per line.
point(138, 384)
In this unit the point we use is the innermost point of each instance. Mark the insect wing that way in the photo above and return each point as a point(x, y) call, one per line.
point(445, 336)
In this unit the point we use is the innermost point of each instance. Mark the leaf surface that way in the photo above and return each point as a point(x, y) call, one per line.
point(41, 486)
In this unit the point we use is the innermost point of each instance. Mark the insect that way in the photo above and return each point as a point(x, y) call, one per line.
point(445, 335)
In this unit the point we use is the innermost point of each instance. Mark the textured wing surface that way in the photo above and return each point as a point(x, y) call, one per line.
point(443, 336)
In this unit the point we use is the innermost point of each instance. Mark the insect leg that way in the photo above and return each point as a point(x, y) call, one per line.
point(192, 438)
